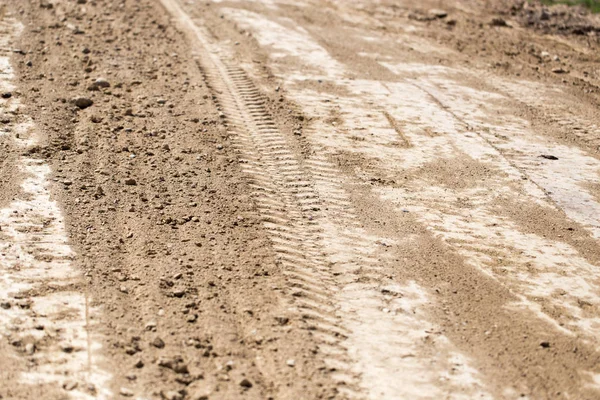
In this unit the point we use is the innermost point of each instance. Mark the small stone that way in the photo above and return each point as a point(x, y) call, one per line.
point(130, 182)
point(291, 363)
point(545, 344)
point(150, 326)
point(126, 392)
point(83, 102)
point(435, 12)
point(166, 362)
point(158, 343)
point(5, 305)
point(549, 157)
point(161, 101)
point(559, 71)
point(101, 82)
point(30, 348)
point(68, 386)
point(192, 318)
point(123, 289)
point(498, 22)
point(67, 347)
point(245, 383)
point(6, 95)
point(181, 368)
point(139, 363)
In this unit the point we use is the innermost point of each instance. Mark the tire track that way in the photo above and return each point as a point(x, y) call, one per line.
point(334, 268)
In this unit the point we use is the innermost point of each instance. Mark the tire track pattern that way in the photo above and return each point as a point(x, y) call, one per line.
point(313, 253)
point(335, 270)
point(286, 197)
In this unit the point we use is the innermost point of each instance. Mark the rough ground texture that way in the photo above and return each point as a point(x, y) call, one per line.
point(299, 199)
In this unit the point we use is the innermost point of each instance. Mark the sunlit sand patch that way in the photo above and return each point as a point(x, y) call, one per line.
point(410, 358)
point(565, 181)
point(535, 269)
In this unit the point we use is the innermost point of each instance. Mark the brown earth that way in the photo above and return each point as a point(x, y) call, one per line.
point(194, 297)
point(163, 225)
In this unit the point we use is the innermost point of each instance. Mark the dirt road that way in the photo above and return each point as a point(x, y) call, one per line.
point(299, 199)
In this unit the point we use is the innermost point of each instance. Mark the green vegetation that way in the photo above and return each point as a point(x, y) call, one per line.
point(593, 5)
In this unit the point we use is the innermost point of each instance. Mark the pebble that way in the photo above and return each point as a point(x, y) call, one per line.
point(245, 383)
point(158, 343)
point(126, 392)
point(291, 363)
point(69, 385)
point(175, 364)
point(6, 95)
point(101, 82)
point(130, 182)
point(150, 326)
point(66, 347)
point(435, 12)
point(192, 318)
point(139, 363)
point(30, 348)
point(559, 71)
point(498, 22)
point(166, 362)
point(82, 102)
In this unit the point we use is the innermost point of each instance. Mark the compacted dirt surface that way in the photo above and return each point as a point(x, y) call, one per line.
point(299, 199)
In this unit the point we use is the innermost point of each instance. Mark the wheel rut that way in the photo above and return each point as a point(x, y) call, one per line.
point(336, 285)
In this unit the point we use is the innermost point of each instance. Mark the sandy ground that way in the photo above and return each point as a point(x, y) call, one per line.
point(299, 199)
